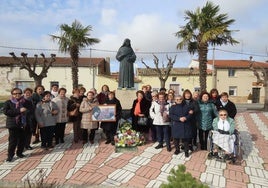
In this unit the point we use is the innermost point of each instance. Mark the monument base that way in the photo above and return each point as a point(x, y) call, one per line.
point(126, 97)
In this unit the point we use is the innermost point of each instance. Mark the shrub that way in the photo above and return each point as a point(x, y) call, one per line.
point(180, 179)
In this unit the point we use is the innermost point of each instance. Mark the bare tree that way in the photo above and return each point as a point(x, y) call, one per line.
point(162, 72)
point(262, 78)
point(31, 67)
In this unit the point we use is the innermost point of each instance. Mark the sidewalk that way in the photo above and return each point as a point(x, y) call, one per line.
point(98, 165)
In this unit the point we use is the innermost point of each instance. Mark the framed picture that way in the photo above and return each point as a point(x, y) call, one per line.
point(104, 113)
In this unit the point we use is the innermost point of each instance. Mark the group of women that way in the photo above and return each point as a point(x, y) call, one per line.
point(183, 119)
point(44, 114)
point(168, 117)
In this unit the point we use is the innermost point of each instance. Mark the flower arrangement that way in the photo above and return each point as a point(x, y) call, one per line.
point(127, 137)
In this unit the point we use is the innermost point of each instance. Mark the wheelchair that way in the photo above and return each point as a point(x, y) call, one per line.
point(234, 158)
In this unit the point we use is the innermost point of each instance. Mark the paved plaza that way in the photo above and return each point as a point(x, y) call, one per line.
point(98, 165)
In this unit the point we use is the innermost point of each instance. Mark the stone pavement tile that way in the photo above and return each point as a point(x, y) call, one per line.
point(27, 165)
point(111, 183)
point(137, 181)
point(162, 158)
point(3, 173)
point(64, 165)
point(258, 181)
point(167, 167)
point(140, 160)
point(95, 179)
point(235, 184)
point(121, 175)
point(155, 164)
point(15, 175)
point(131, 167)
point(90, 168)
point(126, 156)
point(105, 170)
point(81, 175)
point(213, 170)
point(148, 172)
point(117, 163)
point(154, 184)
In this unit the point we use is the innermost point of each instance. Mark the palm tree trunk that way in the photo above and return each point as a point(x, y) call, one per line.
point(202, 58)
point(75, 75)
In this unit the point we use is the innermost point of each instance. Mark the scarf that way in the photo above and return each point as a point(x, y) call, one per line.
point(223, 103)
point(21, 118)
point(223, 125)
point(162, 106)
point(137, 109)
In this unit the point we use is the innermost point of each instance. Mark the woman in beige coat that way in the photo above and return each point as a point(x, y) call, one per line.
point(87, 124)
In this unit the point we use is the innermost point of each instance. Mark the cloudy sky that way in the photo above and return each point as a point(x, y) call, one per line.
point(150, 24)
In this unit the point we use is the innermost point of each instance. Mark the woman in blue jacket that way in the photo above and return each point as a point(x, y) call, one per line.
point(180, 115)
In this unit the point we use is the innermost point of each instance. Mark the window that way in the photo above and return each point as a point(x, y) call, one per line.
point(54, 83)
point(232, 90)
point(24, 84)
point(174, 79)
point(231, 72)
point(197, 89)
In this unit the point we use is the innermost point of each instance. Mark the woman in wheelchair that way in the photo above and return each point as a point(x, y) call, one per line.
point(222, 136)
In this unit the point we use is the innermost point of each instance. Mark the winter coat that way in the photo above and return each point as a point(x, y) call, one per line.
point(43, 113)
point(156, 115)
point(180, 129)
point(144, 107)
point(62, 104)
point(230, 120)
point(229, 107)
point(86, 110)
point(72, 105)
point(10, 110)
point(206, 115)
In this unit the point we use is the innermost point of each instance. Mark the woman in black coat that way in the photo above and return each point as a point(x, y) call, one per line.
point(110, 128)
point(16, 110)
point(180, 115)
point(140, 108)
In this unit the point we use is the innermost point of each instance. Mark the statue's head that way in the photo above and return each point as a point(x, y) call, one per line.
point(126, 42)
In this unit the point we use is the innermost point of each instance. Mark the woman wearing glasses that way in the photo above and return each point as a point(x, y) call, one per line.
point(16, 110)
point(181, 115)
point(223, 134)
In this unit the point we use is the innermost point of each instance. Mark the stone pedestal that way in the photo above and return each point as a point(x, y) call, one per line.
point(126, 97)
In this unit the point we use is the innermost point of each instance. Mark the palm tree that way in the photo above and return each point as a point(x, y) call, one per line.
point(73, 38)
point(205, 27)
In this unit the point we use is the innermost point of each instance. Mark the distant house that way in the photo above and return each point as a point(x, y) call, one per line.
point(235, 77)
point(179, 79)
point(60, 73)
point(232, 76)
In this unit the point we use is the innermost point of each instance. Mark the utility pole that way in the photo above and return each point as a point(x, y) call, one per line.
point(214, 81)
point(93, 68)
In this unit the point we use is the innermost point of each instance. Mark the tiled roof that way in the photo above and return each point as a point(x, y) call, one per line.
point(60, 61)
point(236, 64)
point(174, 71)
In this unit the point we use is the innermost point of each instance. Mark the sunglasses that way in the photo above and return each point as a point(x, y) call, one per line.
point(223, 114)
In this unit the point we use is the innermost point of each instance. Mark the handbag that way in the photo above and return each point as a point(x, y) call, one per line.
point(142, 120)
point(73, 112)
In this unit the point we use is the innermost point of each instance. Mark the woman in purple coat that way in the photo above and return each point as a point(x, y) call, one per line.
point(180, 115)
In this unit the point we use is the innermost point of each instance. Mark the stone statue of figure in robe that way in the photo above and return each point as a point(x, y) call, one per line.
point(127, 57)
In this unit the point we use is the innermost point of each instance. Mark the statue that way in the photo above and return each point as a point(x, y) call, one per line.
point(127, 57)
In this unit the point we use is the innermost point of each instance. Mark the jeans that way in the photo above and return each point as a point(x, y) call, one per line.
point(162, 132)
